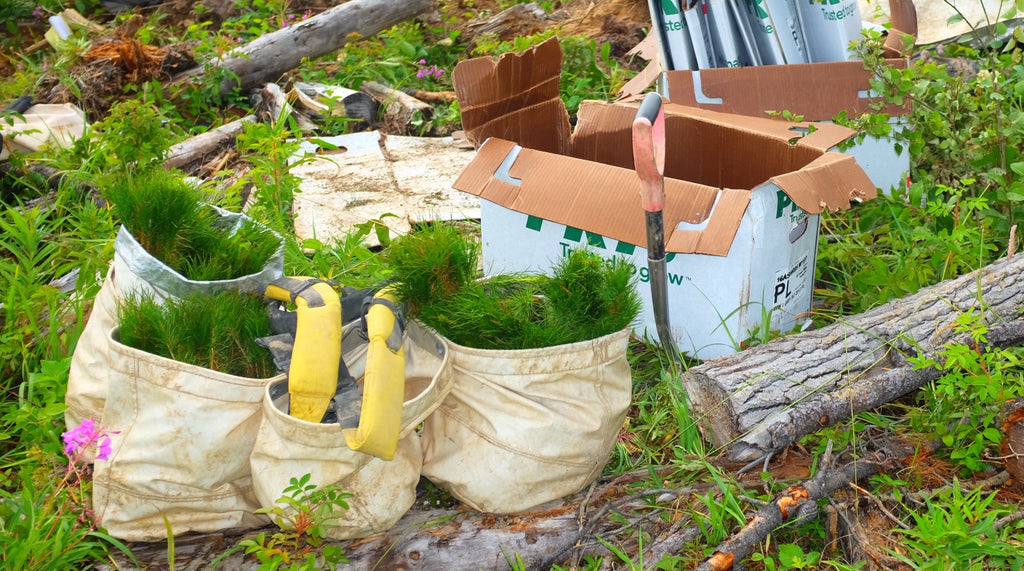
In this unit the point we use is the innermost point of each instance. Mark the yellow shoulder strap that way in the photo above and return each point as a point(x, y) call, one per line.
point(380, 418)
point(316, 353)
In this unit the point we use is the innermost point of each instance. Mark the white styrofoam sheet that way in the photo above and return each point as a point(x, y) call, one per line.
point(370, 176)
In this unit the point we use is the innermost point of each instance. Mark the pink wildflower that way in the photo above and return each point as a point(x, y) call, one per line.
point(432, 71)
point(81, 437)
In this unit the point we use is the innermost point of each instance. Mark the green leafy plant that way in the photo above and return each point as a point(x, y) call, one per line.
point(273, 152)
point(958, 530)
point(47, 524)
point(216, 331)
point(302, 513)
point(790, 556)
point(964, 405)
point(346, 260)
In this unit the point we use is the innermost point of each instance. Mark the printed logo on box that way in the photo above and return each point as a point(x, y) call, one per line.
point(574, 237)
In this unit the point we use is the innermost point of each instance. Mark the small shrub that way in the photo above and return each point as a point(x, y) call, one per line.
point(165, 214)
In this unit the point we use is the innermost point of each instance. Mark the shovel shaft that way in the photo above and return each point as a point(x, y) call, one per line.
point(658, 277)
point(655, 235)
point(649, 160)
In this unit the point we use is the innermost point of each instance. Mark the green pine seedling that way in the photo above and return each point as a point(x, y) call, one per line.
point(433, 263)
point(585, 298)
point(166, 215)
point(217, 331)
point(157, 207)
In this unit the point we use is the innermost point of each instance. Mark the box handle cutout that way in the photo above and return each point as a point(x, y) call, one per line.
point(798, 230)
point(699, 226)
point(503, 169)
point(698, 92)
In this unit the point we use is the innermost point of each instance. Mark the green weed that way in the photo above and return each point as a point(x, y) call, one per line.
point(302, 513)
point(964, 406)
point(958, 530)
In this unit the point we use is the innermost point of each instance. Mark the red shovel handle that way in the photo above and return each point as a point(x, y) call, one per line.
point(649, 152)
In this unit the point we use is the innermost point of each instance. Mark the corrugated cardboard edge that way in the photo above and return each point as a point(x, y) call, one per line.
point(903, 29)
point(603, 199)
point(593, 186)
point(817, 91)
point(598, 120)
point(831, 182)
point(514, 97)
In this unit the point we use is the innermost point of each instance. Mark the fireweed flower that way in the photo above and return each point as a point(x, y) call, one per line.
point(80, 438)
point(432, 71)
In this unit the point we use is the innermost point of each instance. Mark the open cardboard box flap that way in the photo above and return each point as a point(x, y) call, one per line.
point(817, 91)
point(586, 179)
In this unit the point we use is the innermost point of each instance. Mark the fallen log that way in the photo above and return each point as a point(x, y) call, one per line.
point(268, 57)
point(195, 151)
point(763, 399)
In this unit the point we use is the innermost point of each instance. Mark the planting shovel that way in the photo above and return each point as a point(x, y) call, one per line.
point(649, 161)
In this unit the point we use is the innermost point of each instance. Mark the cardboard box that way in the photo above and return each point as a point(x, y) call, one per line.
point(743, 197)
point(817, 91)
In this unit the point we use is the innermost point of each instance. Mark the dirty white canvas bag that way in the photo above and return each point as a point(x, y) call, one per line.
point(181, 437)
point(524, 427)
point(382, 490)
point(134, 270)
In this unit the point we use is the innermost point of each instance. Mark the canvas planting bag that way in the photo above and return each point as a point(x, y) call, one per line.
point(382, 490)
point(181, 437)
point(524, 427)
point(134, 270)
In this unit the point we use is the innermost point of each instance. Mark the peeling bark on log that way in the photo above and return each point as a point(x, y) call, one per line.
point(268, 57)
point(192, 153)
point(763, 399)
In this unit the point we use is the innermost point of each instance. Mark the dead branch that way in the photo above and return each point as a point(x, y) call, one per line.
point(767, 519)
point(399, 107)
